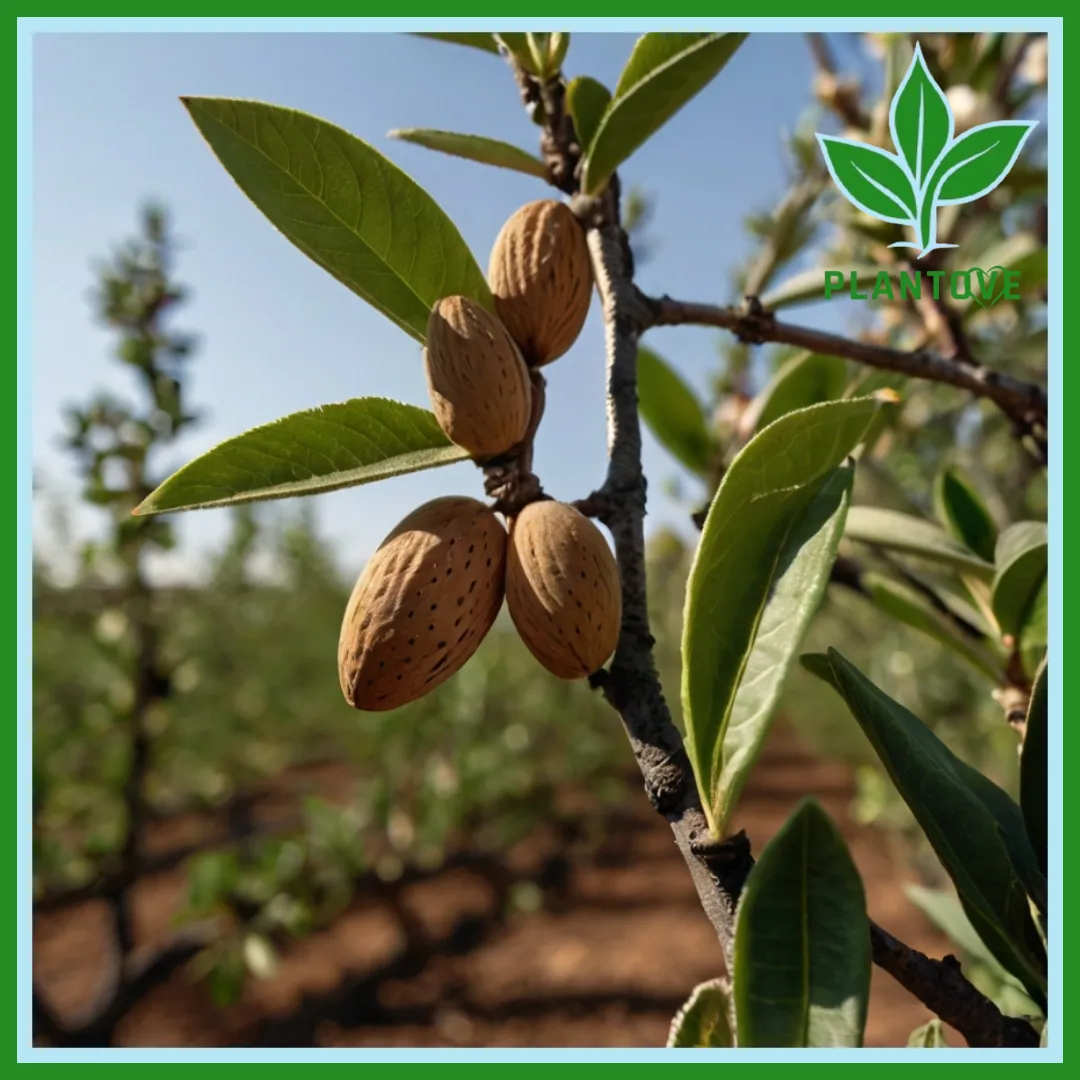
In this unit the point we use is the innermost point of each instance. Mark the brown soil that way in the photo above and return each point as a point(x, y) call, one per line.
point(613, 952)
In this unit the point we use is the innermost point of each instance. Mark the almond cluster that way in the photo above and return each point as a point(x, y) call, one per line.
point(433, 590)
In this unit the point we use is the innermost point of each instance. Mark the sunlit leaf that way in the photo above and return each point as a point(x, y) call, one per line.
point(324, 449)
point(703, 1022)
point(474, 148)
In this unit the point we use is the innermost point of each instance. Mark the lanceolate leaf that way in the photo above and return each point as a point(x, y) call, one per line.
point(517, 44)
point(975, 829)
point(800, 578)
point(1033, 766)
point(702, 1023)
point(587, 100)
point(871, 178)
point(808, 286)
point(672, 412)
point(1021, 561)
point(764, 492)
point(484, 42)
point(909, 535)
point(910, 607)
point(946, 912)
point(334, 446)
point(920, 120)
point(1034, 632)
point(345, 206)
point(474, 148)
point(663, 73)
point(929, 1036)
point(963, 513)
point(806, 379)
point(802, 941)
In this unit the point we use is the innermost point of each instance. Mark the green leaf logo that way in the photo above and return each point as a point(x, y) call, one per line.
point(930, 168)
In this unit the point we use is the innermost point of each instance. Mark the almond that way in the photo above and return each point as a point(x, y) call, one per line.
point(562, 589)
point(423, 604)
point(541, 278)
point(477, 380)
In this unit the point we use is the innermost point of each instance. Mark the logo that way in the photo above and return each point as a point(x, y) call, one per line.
point(930, 168)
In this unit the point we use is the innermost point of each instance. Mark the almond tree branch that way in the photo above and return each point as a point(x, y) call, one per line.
point(1025, 404)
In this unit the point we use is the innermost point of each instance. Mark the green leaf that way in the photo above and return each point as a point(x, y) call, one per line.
point(345, 206)
point(798, 585)
point(474, 148)
point(975, 829)
point(920, 119)
point(484, 42)
point(809, 286)
point(663, 73)
point(768, 486)
point(1034, 800)
point(805, 379)
point(587, 101)
point(909, 606)
point(978, 161)
point(1034, 633)
point(558, 47)
point(702, 1023)
point(964, 514)
point(672, 412)
point(928, 1036)
point(323, 449)
point(946, 912)
point(802, 940)
point(1020, 558)
point(909, 535)
point(870, 178)
point(517, 44)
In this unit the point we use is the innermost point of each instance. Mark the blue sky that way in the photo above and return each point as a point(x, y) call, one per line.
point(277, 333)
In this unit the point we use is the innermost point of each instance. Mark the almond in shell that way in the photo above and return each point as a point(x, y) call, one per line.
point(562, 589)
point(541, 278)
point(478, 383)
point(423, 604)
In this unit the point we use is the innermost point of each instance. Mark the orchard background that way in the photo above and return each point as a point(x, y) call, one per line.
point(224, 852)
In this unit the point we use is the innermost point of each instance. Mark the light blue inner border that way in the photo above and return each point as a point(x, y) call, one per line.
point(28, 27)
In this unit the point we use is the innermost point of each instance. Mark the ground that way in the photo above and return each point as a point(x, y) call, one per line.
point(607, 960)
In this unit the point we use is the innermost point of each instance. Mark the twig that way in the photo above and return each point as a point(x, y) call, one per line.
point(941, 986)
point(1025, 404)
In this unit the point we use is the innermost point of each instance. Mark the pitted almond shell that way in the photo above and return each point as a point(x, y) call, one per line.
point(423, 604)
point(562, 589)
point(478, 383)
point(541, 278)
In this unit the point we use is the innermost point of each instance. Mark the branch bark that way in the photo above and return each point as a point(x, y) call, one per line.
point(1025, 404)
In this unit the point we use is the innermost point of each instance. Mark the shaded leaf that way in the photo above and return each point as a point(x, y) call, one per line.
point(474, 148)
point(761, 497)
point(345, 206)
point(870, 178)
point(702, 1023)
point(1020, 557)
point(1034, 797)
point(908, 606)
point(484, 42)
point(928, 1036)
point(964, 514)
point(802, 940)
point(1034, 634)
point(805, 379)
point(587, 101)
point(946, 912)
point(920, 120)
point(975, 829)
point(323, 449)
point(978, 161)
point(663, 73)
point(799, 583)
point(672, 412)
point(910, 535)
